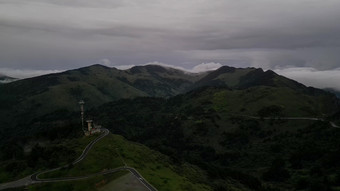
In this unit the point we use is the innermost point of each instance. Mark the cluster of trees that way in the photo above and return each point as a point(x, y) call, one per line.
point(15, 161)
point(39, 157)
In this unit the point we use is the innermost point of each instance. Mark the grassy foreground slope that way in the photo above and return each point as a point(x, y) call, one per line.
point(155, 167)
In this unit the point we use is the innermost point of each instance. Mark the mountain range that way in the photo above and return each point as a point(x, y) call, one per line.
point(98, 84)
point(232, 123)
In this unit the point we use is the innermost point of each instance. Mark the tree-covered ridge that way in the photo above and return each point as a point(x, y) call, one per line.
point(209, 127)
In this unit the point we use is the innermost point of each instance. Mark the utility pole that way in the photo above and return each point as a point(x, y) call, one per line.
point(81, 103)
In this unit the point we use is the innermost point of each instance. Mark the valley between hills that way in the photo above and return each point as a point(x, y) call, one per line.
point(227, 129)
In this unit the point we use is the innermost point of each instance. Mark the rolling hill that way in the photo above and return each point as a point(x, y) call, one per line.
point(58, 94)
point(95, 85)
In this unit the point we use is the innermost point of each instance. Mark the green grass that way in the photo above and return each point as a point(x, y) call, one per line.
point(155, 167)
point(250, 101)
point(102, 156)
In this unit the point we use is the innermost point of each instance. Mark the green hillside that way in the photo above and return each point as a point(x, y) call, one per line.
point(109, 153)
point(158, 169)
point(219, 130)
point(211, 128)
point(25, 102)
point(27, 99)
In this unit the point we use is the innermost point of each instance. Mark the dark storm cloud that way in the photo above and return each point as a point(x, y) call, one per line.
point(61, 34)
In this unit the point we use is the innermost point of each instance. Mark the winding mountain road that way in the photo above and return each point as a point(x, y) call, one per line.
point(34, 178)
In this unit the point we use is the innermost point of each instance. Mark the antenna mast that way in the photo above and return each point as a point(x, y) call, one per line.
point(81, 103)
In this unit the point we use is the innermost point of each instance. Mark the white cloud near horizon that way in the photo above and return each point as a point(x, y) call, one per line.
point(306, 75)
point(206, 67)
point(165, 65)
point(26, 73)
point(105, 62)
point(313, 77)
point(203, 67)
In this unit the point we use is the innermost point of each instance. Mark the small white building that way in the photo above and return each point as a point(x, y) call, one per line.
point(89, 125)
point(92, 128)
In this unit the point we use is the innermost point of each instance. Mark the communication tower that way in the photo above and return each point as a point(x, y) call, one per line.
point(81, 103)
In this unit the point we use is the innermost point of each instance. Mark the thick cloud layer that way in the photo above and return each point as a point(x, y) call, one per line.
point(313, 77)
point(62, 34)
point(25, 73)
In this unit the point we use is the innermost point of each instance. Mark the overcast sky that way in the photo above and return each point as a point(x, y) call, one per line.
point(39, 36)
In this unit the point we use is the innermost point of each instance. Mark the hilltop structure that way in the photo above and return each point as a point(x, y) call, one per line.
point(92, 128)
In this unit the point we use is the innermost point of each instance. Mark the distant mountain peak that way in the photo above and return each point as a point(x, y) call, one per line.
point(213, 75)
point(226, 69)
point(97, 66)
point(154, 68)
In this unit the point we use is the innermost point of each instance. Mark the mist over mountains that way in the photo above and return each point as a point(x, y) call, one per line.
point(6, 79)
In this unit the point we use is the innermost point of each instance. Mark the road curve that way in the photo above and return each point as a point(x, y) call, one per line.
point(34, 178)
point(334, 125)
point(127, 168)
point(141, 179)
